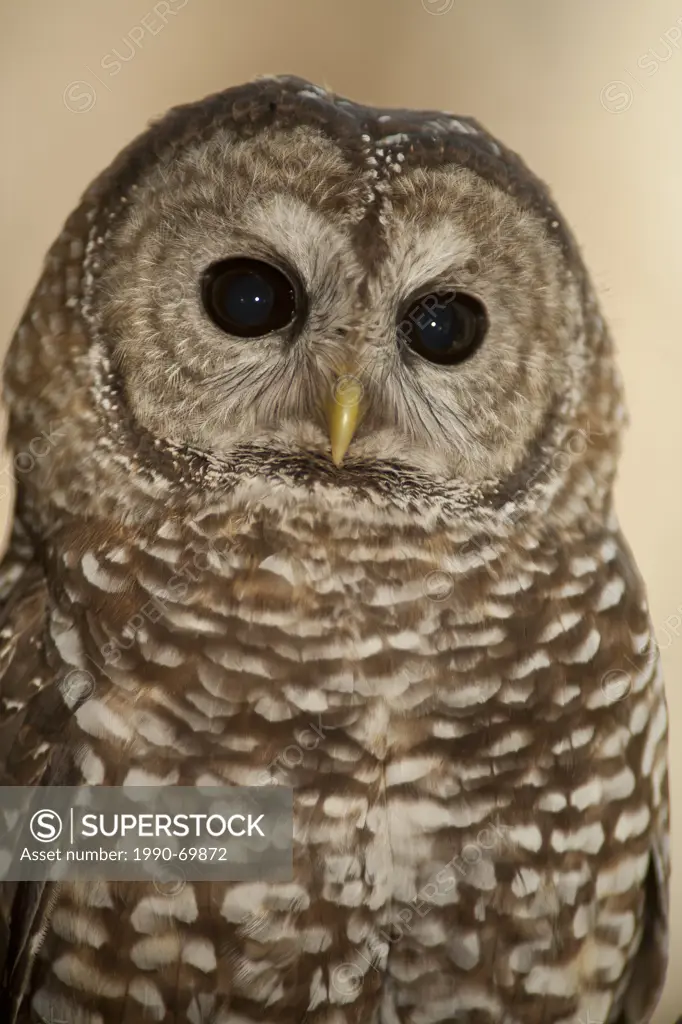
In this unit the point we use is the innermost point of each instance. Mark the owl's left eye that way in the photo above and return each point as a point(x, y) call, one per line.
point(444, 328)
point(248, 298)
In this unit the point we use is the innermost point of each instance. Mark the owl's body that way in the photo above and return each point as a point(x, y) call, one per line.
point(440, 642)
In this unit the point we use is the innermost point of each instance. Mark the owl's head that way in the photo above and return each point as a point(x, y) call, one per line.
point(276, 293)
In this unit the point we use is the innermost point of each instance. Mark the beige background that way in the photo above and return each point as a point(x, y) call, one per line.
point(541, 75)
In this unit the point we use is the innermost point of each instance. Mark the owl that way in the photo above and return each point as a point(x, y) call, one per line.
point(315, 422)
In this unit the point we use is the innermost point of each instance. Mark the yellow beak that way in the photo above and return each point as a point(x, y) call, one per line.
point(344, 414)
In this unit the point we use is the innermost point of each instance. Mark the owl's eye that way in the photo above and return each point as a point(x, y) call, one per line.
point(247, 297)
point(444, 327)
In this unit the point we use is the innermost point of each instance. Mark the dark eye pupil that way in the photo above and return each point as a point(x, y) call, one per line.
point(437, 328)
point(248, 298)
point(444, 327)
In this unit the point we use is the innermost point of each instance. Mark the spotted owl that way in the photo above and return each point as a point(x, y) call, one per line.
point(315, 422)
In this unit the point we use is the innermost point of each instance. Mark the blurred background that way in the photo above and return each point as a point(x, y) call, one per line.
point(589, 94)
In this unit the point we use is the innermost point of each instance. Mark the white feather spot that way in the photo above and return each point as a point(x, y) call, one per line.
point(510, 742)
point(551, 981)
point(585, 651)
point(68, 643)
point(96, 894)
point(624, 924)
point(409, 770)
point(583, 564)
point(200, 953)
point(561, 624)
point(610, 595)
point(528, 837)
point(620, 785)
point(565, 694)
point(567, 884)
point(156, 951)
point(538, 659)
point(588, 839)
point(85, 977)
point(657, 729)
point(588, 795)
point(639, 717)
point(552, 802)
point(148, 996)
point(318, 992)
point(153, 729)
point(608, 549)
point(465, 950)
point(394, 140)
point(572, 588)
point(579, 737)
point(626, 876)
point(632, 823)
point(78, 928)
point(91, 766)
point(348, 807)
point(408, 640)
point(281, 567)
point(471, 693)
point(513, 584)
point(525, 882)
point(93, 573)
point(152, 911)
point(583, 921)
point(97, 719)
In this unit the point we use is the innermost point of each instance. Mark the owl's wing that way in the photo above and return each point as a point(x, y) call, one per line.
point(649, 969)
point(650, 965)
point(24, 671)
point(651, 961)
point(31, 715)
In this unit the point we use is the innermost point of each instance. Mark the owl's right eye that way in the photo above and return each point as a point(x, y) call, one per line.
point(444, 328)
point(248, 298)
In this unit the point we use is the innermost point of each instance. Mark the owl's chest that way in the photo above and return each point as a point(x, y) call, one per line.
point(322, 675)
point(394, 701)
point(308, 659)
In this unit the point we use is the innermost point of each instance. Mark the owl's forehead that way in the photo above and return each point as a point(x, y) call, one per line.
point(285, 133)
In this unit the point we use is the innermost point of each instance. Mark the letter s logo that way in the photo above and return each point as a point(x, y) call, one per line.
point(46, 826)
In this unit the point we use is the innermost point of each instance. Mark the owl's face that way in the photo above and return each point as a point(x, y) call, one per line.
point(287, 283)
point(247, 276)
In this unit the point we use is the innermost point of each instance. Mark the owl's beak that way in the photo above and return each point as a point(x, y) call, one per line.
point(344, 414)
